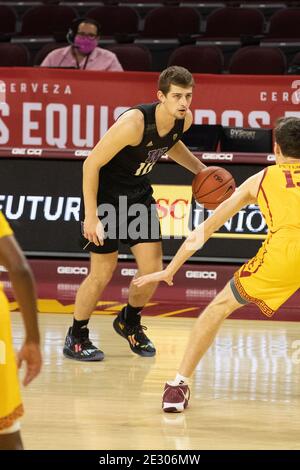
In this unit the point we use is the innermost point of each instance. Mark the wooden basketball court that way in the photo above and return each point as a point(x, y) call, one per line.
point(245, 392)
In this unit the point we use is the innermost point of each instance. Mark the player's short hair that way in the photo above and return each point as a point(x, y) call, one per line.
point(175, 75)
point(287, 136)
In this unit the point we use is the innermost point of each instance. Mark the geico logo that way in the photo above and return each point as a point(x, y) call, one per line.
point(81, 153)
point(17, 151)
point(201, 275)
point(23, 151)
point(176, 209)
point(34, 151)
point(72, 270)
point(128, 272)
point(271, 158)
point(217, 156)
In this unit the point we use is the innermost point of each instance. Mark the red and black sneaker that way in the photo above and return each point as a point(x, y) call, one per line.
point(81, 349)
point(175, 398)
point(139, 343)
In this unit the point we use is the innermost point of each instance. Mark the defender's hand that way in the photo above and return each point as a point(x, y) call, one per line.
point(154, 277)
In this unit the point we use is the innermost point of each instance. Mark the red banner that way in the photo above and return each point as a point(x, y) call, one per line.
point(54, 108)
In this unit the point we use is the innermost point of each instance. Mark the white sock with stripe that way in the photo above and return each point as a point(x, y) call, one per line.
point(179, 380)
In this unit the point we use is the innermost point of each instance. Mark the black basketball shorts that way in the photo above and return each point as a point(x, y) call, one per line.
point(126, 221)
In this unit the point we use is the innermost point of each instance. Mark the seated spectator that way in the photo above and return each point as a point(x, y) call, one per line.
point(83, 52)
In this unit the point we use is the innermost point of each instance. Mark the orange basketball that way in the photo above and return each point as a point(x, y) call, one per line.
point(212, 186)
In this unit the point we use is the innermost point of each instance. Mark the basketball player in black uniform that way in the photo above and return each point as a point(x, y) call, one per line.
point(118, 166)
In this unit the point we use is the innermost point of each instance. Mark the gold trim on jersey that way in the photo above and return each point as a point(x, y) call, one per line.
point(7, 421)
point(260, 303)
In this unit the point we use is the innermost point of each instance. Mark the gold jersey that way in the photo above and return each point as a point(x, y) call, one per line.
point(273, 275)
point(279, 198)
point(5, 230)
point(4, 226)
point(11, 407)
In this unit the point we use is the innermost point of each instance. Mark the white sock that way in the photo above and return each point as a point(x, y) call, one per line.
point(179, 380)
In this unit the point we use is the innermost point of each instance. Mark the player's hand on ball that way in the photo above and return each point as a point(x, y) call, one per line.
point(212, 185)
point(154, 277)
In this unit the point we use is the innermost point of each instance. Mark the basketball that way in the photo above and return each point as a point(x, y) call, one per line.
point(212, 186)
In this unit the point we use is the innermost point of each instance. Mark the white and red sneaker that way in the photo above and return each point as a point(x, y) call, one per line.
point(175, 398)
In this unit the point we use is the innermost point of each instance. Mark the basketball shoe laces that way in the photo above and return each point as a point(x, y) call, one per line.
point(138, 332)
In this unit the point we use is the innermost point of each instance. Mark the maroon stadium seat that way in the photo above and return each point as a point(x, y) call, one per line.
point(7, 19)
point(46, 20)
point(296, 59)
point(234, 22)
point(256, 60)
point(115, 19)
point(171, 21)
point(198, 59)
point(13, 55)
point(133, 56)
point(285, 24)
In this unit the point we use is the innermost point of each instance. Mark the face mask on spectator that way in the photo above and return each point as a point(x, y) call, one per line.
point(85, 44)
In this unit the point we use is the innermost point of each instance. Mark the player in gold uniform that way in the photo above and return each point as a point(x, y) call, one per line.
point(11, 408)
point(270, 277)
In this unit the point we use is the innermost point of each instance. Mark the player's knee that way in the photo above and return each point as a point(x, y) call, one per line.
point(225, 303)
point(225, 310)
point(152, 267)
point(221, 308)
point(103, 276)
point(157, 265)
point(149, 263)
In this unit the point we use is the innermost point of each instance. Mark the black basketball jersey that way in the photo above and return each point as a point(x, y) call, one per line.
point(130, 166)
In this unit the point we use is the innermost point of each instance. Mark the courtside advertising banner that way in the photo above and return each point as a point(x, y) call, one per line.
point(41, 199)
point(52, 108)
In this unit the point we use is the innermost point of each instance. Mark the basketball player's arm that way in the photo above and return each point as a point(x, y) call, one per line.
point(182, 155)
point(127, 130)
point(11, 256)
point(244, 194)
